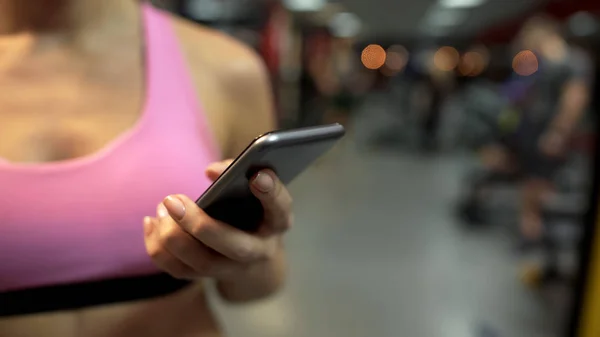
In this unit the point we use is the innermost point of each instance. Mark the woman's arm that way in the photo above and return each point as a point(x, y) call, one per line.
point(251, 106)
point(234, 88)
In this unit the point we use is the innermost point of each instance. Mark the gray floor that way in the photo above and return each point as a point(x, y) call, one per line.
point(375, 252)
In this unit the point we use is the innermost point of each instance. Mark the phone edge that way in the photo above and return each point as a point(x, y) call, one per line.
point(267, 140)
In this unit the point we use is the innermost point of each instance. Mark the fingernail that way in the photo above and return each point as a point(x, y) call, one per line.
point(161, 211)
point(175, 207)
point(148, 226)
point(263, 182)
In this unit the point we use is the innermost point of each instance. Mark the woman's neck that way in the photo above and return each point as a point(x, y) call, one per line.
point(56, 16)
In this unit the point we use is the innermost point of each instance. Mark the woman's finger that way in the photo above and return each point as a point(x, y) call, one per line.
point(275, 199)
point(214, 170)
point(160, 256)
point(182, 246)
point(203, 261)
point(233, 243)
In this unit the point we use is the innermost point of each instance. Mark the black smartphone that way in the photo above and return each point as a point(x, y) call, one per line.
point(287, 153)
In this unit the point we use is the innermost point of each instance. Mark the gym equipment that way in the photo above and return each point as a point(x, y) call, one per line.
point(493, 199)
point(484, 116)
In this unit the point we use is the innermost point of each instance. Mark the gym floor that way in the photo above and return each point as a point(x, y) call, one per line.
point(376, 252)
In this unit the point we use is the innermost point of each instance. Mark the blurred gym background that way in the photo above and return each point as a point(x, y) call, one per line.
point(408, 228)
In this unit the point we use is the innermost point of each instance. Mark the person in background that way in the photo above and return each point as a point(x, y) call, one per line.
point(432, 89)
point(553, 101)
point(343, 80)
point(106, 108)
point(431, 112)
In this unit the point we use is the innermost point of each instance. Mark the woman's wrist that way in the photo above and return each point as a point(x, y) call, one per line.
point(255, 281)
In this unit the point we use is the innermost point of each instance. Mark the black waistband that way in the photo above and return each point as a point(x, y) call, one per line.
point(76, 296)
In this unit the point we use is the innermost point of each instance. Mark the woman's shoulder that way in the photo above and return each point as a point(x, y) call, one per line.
point(233, 76)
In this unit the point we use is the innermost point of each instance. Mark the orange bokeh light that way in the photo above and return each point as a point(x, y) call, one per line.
point(472, 64)
point(525, 63)
point(446, 58)
point(373, 56)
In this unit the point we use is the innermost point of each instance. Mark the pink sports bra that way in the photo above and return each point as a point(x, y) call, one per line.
point(75, 222)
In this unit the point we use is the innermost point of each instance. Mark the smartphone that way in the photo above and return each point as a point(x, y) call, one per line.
point(288, 153)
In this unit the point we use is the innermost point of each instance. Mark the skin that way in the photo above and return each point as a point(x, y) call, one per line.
point(77, 98)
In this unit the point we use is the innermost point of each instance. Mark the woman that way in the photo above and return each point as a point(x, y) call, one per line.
point(100, 119)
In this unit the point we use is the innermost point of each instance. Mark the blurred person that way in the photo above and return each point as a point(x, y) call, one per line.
point(429, 95)
point(100, 119)
point(317, 81)
point(550, 104)
point(432, 98)
point(342, 81)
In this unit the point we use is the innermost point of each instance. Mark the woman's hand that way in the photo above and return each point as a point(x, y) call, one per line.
point(188, 244)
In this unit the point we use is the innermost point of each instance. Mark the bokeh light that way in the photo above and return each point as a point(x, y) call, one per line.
point(387, 72)
point(397, 58)
point(525, 63)
point(466, 66)
point(373, 56)
point(446, 58)
point(472, 63)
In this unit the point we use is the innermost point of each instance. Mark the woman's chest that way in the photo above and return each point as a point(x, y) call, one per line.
point(105, 152)
point(82, 222)
point(50, 116)
point(81, 218)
